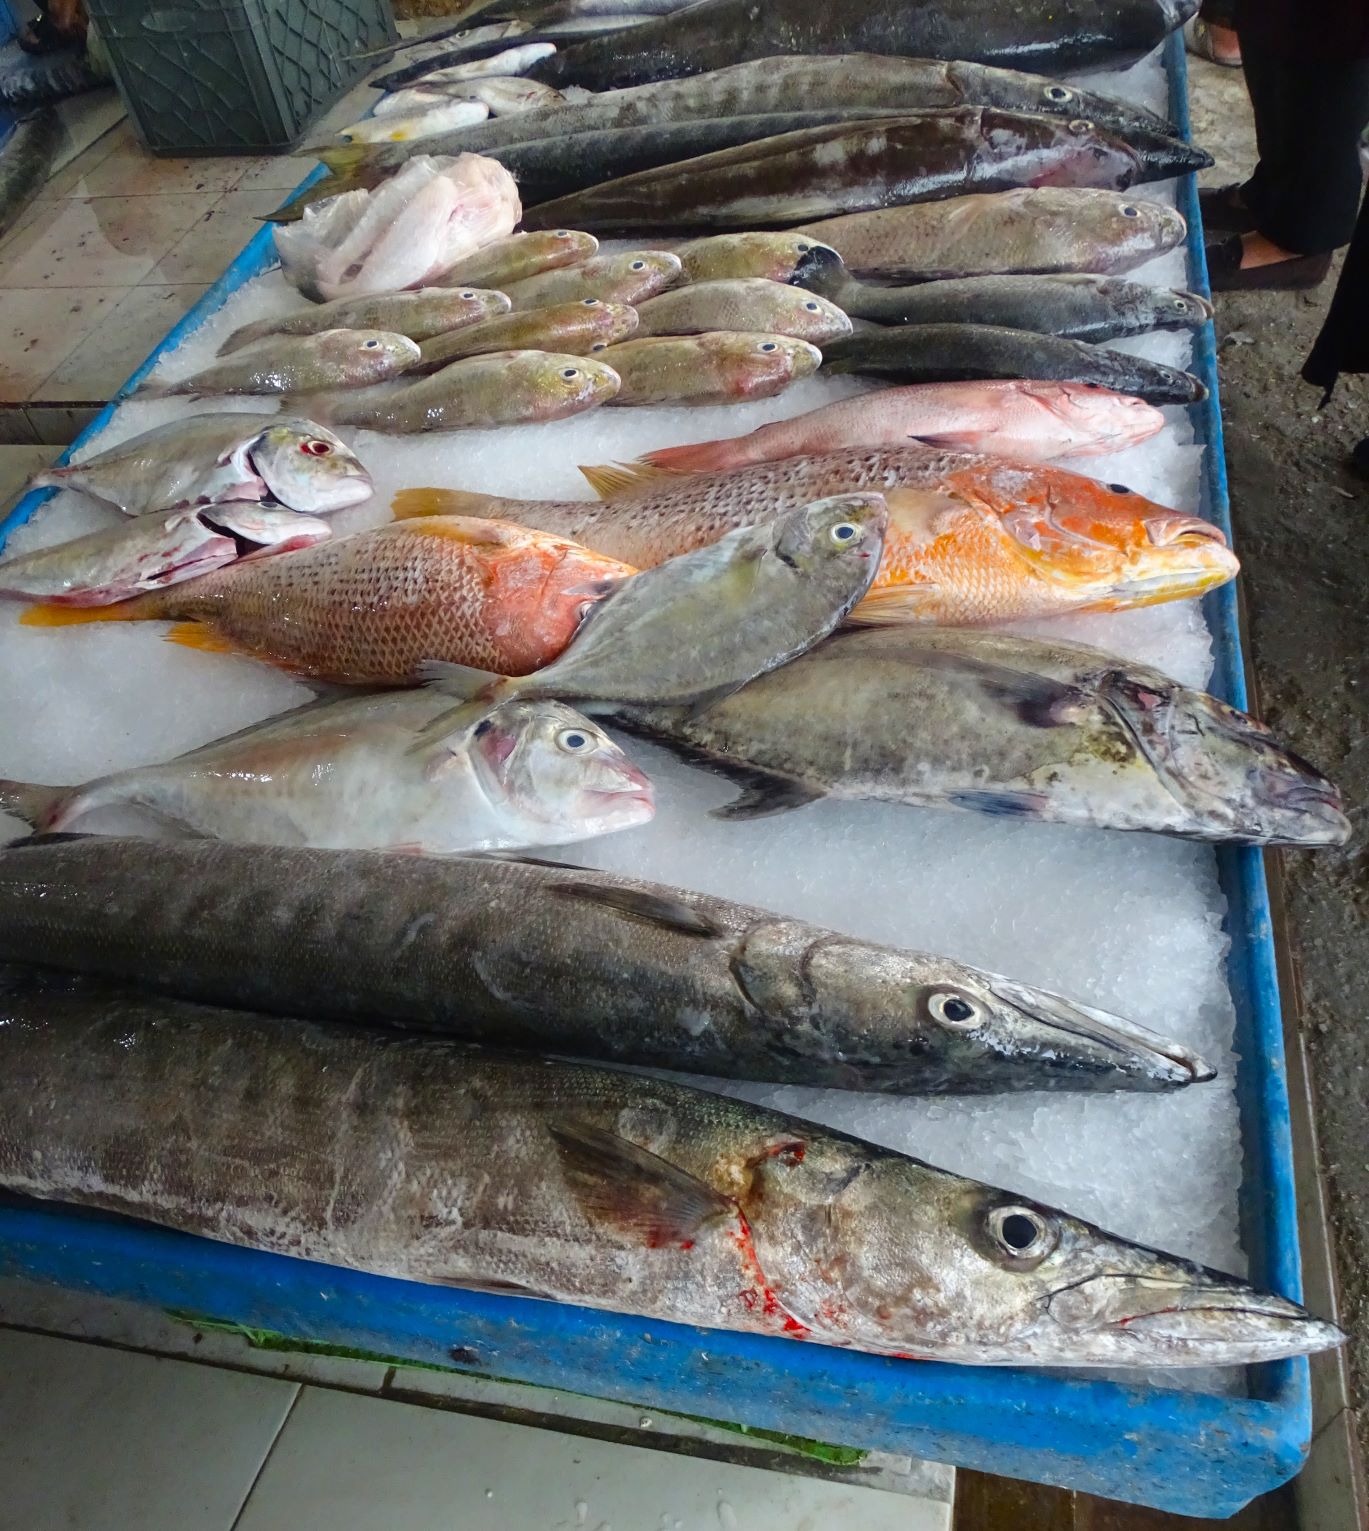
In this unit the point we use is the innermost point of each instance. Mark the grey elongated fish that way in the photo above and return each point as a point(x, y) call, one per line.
point(789, 83)
point(952, 353)
point(25, 161)
point(527, 954)
point(1059, 38)
point(1074, 306)
point(703, 623)
point(824, 172)
point(1006, 725)
point(422, 1159)
point(418, 315)
point(1029, 229)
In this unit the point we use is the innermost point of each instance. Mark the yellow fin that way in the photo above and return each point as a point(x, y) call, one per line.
point(46, 614)
point(609, 480)
point(889, 605)
point(408, 504)
point(196, 635)
point(343, 160)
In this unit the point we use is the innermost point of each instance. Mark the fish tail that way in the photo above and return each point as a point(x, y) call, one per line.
point(343, 160)
point(49, 614)
point(201, 636)
point(409, 504)
point(41, 807)
point(245, 336)
point(610, 480)
point(701, 457)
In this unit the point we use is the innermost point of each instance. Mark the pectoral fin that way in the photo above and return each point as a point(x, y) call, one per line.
point(649, 908)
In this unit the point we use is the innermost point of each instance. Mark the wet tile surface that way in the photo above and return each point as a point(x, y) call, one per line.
point(40, 327)
point(98, 241)
point(214, 242)
point(131, 329)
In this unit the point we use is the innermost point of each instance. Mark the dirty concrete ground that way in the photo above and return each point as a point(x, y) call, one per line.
point(1302, 527)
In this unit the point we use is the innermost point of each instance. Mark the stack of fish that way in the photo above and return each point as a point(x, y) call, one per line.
point(696, 603)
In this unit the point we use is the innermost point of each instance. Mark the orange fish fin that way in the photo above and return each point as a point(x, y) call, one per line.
point(609, 480)
point(889, 605)
point(701, 457)
point(196, 635)
point(47, 614)
point(408, 504)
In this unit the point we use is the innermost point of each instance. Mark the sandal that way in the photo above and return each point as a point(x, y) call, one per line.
point(1199, 42)
point(1226, 274)
point(1222, 213)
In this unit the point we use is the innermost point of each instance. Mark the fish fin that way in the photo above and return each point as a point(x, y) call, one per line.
point(49, 837)
point(1011, 805)
point(48, 614)
point(410, 504)
point(700, 457)
point(39, 806)
point(610, 480)
point(959, 441)
point(197, 635)
point(462, 681)
point(766, 793)
point(649, 908)
point(636, 1191)
point(891, 604)
point(344, 160)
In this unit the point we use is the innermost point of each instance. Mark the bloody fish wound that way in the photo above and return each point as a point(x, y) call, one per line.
point(613, 1191)
point(971, 538)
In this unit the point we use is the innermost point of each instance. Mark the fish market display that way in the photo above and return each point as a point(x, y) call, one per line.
point(345, 774)
point(419, 315)
point(630, 277)
point(971, 539)
point(1027, 420)
point(154, 551)
point(301, 364)
point(850, 168)
point(1028, 230)
point(613, 1191)
point(405, 233)
point(440, 117)
point(215, 459)
point(743, 304)
point(568, 328)
point(509, 61)
point(1059, 38)
point(720, 368)
point(1006, 725)
point(501, 388)
point(371, 608)
point(477, 948)
point(778, 257)
point(520, 256)
point(1074, 306)
point(703, 623)
point(504, 95)
point(949, 353)
point(423, 56)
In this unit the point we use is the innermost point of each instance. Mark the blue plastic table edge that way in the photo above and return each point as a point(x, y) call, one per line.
point(1191, 1453)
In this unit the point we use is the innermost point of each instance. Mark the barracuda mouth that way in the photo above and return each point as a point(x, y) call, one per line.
point(1116, 1044)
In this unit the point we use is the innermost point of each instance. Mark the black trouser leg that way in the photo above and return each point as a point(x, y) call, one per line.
point(1305, 192)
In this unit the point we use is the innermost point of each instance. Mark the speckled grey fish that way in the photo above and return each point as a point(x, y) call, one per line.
point(1073, 306)
point(299, 364)
point(530, 954)
point(1029, 229)
point(1006, 725)
point(420, 1159)
point(419, 315)
point(1060, 38)
point(951, 353)
point(846, 168)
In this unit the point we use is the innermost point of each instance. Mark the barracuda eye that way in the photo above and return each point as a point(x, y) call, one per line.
point(1022, 1235)
point(574, 741)
point(1058, 93)
point(845, 532)
point(951, 1008)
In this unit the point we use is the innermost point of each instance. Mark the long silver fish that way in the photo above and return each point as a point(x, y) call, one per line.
point(1006, 725)
point(213, 459)
point(528, 954)
point(420, 1159)
point(343, 774)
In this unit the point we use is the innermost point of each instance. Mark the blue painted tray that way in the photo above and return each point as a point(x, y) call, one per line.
point(1185, 1452)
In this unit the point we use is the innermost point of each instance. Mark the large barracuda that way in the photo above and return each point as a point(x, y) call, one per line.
point(1058, 38)
point(419, 1159)
point(525, 954)
point(1007, 725)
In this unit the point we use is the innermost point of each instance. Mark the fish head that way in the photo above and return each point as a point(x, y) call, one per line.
point(612, 322)
point(262, 529)
point(843, 533)
point(816, 266)
point(369, 355)
point(1115, 420)
point(557, 773)
point(307, 468)
point(1106, 548)
point(756, 364)
point(880, 1252)
point(567, 384)
point(1224, 768)
point(1158, 155)
point(469, 305)
point(820, 319)
point(1170, 309)
point(1129, 228)
point(640, 274)
point(563, 247)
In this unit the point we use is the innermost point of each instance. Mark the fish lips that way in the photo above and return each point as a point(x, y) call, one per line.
point(1192, 1317)
point(1119, 1053)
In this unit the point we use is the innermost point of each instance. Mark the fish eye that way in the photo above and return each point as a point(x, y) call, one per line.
point(481, 728)
point(1021, 1233)
point(844, 531)
point(1059, 93)
point(811, 307)
point(467, 294)
point(768, 345)
point(638, 265)
point(804, 249)
point(951, 1008)
point(562, 234)
point(570, 372)
point(1120, 489)
point(371, 345)
point(590, 302)
point(599, 345)
point(574, 741)
point(1131, 212)
point(1181, 304)
point(314, 448)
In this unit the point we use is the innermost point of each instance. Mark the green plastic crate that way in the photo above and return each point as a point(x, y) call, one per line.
point(235, 76)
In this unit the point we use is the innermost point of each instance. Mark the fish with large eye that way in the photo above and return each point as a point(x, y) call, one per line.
point(955, 1010)
point(1022, 1234)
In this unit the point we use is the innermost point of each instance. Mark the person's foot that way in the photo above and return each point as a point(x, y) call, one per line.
point(1224, 210)
point(1220, 45)
point(1252, 263)
point(1359, 457)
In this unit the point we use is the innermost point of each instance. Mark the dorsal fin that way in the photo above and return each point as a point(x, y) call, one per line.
point(610, 481)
